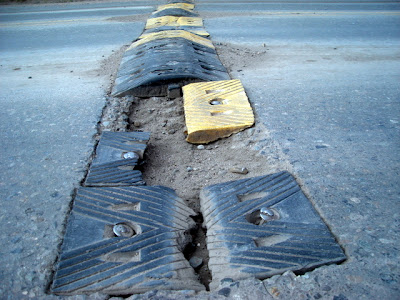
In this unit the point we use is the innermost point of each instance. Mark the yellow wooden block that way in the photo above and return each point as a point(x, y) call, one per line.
point(172, 34)
point(174, 21)
point(214, 110)
point(186, 6)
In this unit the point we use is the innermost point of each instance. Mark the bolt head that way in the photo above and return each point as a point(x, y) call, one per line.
point(215, 102)
point(123, 230)
point(127, 155)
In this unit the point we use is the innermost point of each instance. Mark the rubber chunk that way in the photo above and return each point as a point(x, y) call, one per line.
point(187, 6)
point(125, 240)
point(168, 34)
point(117, 156)
point(214, 110)
point(177, 12)
point(148, 69)
point(173, 21)
point(262, 226)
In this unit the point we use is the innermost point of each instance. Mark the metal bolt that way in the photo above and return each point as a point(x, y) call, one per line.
point(215, 102)
point(266, 211)
point(127, 155)
point(123, 230)
point(266, 215)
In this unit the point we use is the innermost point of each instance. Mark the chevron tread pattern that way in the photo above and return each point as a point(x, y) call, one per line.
point(92, 261)
point(109, 168)
point(298, 240)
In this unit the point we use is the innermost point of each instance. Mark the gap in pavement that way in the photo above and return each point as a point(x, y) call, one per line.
point(186, 168)
point(171, 161)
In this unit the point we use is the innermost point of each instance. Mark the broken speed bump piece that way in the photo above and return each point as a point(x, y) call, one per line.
point(187, 6)
point(117, 156)
point(167, 34)
point(263, 226)
point(174, 21)
point(215, 110)
point(116, 145)
point(125, 240)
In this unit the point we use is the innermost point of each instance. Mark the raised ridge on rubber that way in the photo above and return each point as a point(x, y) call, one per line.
point(240, 245)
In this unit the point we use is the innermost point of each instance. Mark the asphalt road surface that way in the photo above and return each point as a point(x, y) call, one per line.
point(52, 94)
point(323, 78)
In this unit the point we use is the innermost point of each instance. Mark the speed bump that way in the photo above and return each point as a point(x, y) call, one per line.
point(116, 159)
point(171, 34)
point(125, 240)
point(195, 30)
point(187, 6)
point(263, 226)
point(146, 70)
point(215, 110)
point(178, 12)
point(174, 21)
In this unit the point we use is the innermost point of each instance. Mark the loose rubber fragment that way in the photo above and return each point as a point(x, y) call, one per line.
point(214, 110)
point(116, 159)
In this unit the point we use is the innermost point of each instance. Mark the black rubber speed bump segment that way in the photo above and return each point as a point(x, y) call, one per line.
point(262, 226)
point(178, 12)
point(125, 240)
point(117, 156)
point(147, 69)
point(200, 31)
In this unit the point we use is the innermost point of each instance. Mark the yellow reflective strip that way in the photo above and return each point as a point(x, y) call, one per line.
point(173, 21)
point(186, 6)
point(172, 34)
point(160, 10)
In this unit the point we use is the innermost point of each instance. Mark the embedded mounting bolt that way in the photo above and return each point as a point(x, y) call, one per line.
point(262, 215)
point(266, 215)
point(127, 155)
point(123, 230)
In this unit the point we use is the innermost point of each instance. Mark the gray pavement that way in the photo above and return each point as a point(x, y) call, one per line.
point(322, 77)
point(53, 91)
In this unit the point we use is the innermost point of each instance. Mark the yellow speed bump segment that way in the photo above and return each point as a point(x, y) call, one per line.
point(165, 8)
point(215, 110)
point(186, 6)
point(198, 31)
point(172, 34)
point(174, 21)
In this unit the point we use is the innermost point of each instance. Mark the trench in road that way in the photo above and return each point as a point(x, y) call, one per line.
point(171, 161)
